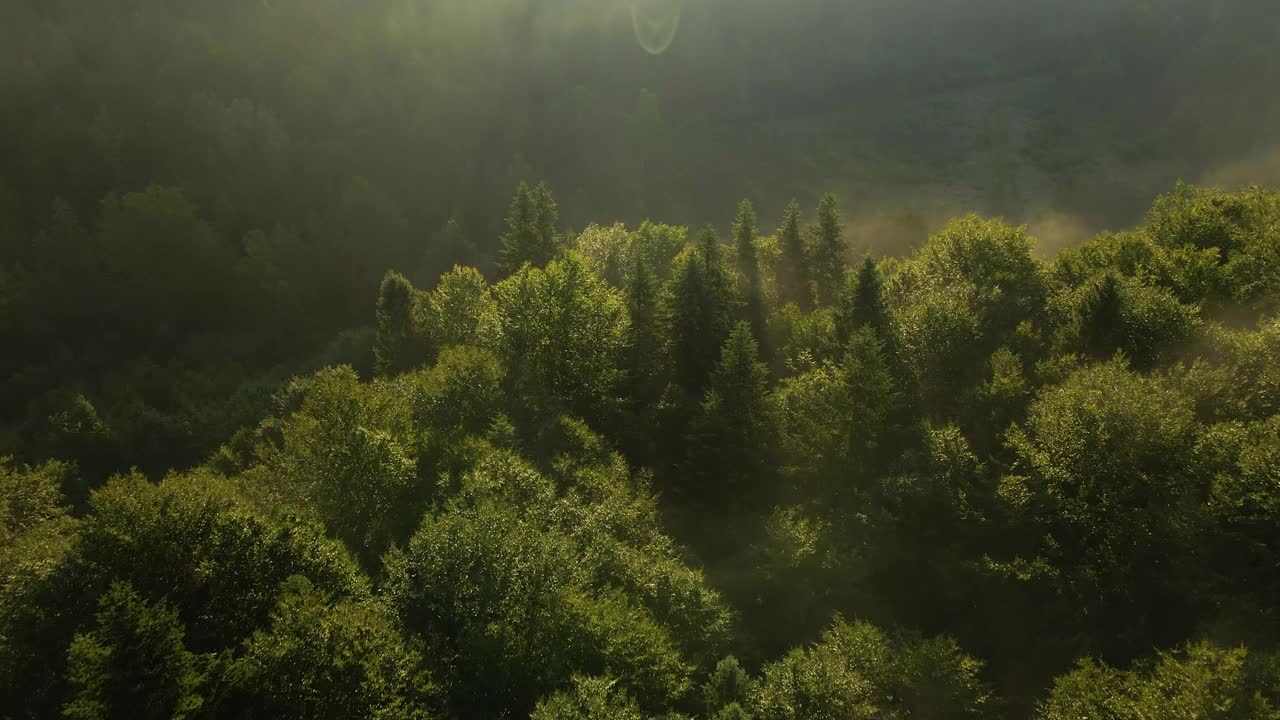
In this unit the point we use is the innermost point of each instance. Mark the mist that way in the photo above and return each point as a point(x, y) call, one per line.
point(665, 109)
point(670, 359)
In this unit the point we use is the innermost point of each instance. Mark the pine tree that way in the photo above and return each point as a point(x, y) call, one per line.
point(709, 248)
point(520, 237)
point(862, 303)
point(644, 337)
point(697, 311)
point(531, 235)
point(392, 349)
point(547, 219)
point(794, 284)
point(829, 250)
point(744, 239)
point(733, 433)
point(745, 227)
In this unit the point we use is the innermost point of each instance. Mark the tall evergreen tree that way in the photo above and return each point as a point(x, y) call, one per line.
point(547, 220)
point(393, 344)
point(734, 430)
point(745, 227)
point(829, 250)
point(709, 248)
point(862, 303)
point(531, 235)
point(522, 229)
point(644, 337)
point(794, 284)
point(697, 311)
point(745, 230)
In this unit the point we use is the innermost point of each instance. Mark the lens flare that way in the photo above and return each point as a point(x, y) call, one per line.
point(655, 23)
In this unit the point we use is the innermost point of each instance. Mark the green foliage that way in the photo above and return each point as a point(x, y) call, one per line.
point(1102, 479)
point(133, 664)
point(321, 657)
point(644, 337)
point(657, 246)
point(804, 340)
point(959, 298)
point(833, 417)
point(1050, 458)
point(1113, 314)
point(37, 588)
point(589, 698)
point(828, 249)
point(862, 303)
point(31, 497)
point(697, 312)
point(734, 430)
point(531, 235)
point(857, 671)
point(610, 251)
point(392, 349)
point(340, 456)
point(462, 393)
point(1200, 680)
point(195, 542)
point(745, 234)
point(563, 330)
point(729, 685)
point(459, 311)
point(794, 284)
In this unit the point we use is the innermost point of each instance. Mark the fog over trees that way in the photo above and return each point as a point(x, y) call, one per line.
point(611, 360)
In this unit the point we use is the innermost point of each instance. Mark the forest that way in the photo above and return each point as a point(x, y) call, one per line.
point(423, 359)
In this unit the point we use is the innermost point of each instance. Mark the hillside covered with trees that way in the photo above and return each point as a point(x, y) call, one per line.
point(645, 472)
point(306, 415)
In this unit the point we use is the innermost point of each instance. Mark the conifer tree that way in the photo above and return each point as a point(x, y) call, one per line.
point(519, 238)
point(793, 271)
point(531, 235)
point(644, 336)
point(862, 303)
point(547, 219)
point(733, 433)
point(829, 250)
point(697, 311)
point(744, 239)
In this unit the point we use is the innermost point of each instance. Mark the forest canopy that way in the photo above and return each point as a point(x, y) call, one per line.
point(417, 359)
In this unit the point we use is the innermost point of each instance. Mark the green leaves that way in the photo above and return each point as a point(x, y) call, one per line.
point(857, 671)
point(392, 349)
point(563, 330)
point(134, 663)
point(327, 657)
point(1201, 680)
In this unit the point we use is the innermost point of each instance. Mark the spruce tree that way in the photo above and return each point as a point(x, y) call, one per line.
point(733, 433)
point(829, 250)
point(531, 235)
point(862, 304)
point(644, 337)
point(749, 285)
point(794, 284)
point(546, 222)
point(697, 311)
